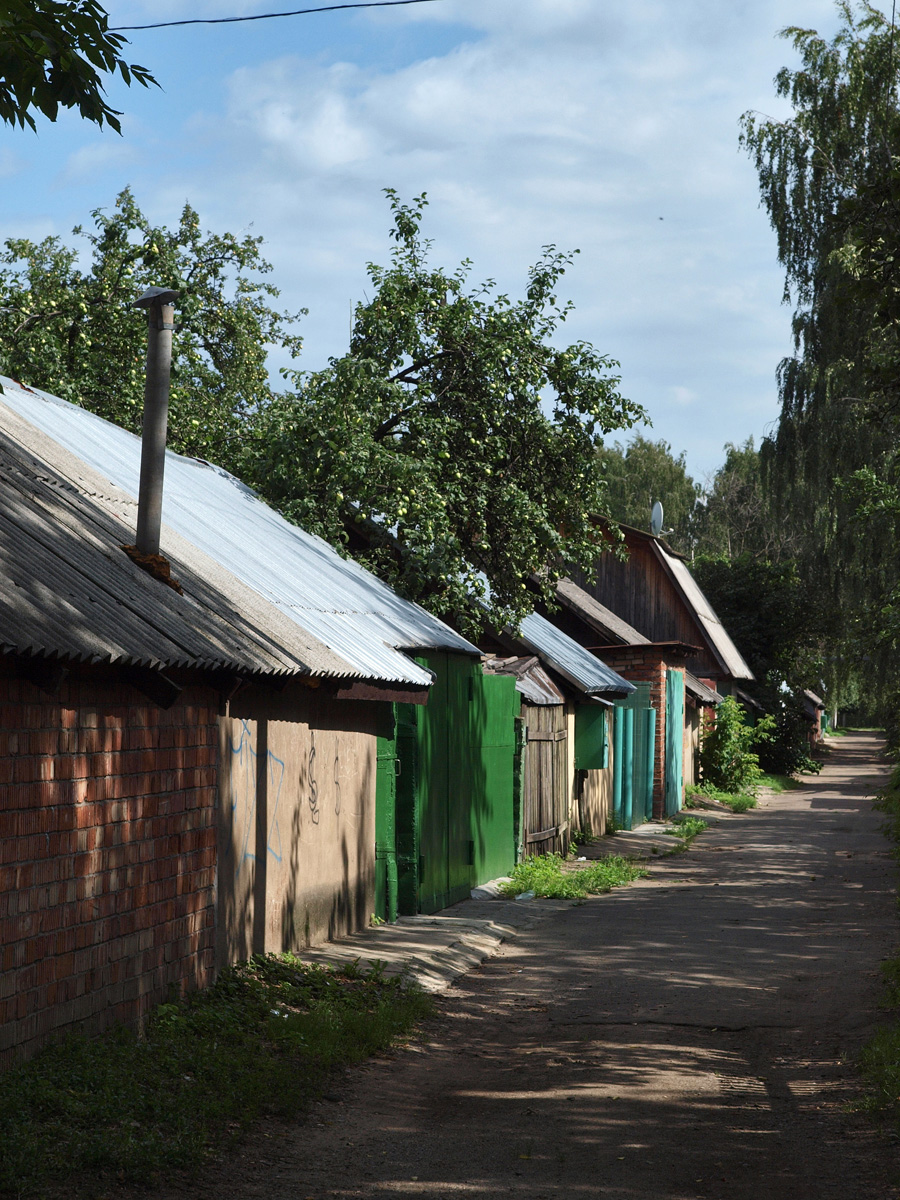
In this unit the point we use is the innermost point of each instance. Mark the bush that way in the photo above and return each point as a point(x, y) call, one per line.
point(727, 759)
point(787, 751)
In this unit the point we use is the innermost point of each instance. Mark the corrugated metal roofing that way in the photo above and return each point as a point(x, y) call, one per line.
point(597, 615)
point(341, 605)
point(720, 643)
point(68, 591)
point(706, 695)
point(581, 668)
point(532, 681)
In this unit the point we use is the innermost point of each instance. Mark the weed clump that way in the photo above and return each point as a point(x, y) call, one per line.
point(547, 875)
point(262, 1041)
point(687, 828)
point(738, 802)
point(880, 1058)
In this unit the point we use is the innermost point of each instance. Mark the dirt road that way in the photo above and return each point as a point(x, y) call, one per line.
point(689, 1037)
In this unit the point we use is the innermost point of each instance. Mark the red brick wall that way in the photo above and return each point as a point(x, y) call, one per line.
point(107, 855)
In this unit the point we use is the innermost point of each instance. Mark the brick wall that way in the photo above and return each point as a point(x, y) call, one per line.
point(107, 855)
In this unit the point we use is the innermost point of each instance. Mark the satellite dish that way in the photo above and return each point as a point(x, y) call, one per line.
point(656, 518)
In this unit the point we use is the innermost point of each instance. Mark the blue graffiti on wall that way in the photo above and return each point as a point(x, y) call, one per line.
point(243, 795)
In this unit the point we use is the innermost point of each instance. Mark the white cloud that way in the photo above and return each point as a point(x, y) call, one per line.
point(683, 396)
point(94, 158)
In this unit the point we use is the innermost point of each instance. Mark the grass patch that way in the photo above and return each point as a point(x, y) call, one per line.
point(581, 837)
point(737, 801)
point(880, 1065)
point(263, 1041)
point(687, 828)
point(780, 783)
point(880, 1059)
point(545, 875)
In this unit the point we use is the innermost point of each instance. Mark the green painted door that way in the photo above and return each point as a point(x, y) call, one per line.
point(493, 709)
point(456, 788)
point(386, 879)
point(674, 741)
point(407, 807)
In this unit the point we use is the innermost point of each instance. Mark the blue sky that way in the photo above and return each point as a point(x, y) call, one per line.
point(576, 122)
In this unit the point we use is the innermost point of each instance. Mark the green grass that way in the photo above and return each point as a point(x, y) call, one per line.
point(780, 783)
point(122, 1109)
point(687, 828)
point(737, 801)
point(546, 875)
point(880, 1059)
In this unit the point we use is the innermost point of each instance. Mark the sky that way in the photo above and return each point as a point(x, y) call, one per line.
point(608, 128)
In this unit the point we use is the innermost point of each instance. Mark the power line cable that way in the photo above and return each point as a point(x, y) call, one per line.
point(299, 12)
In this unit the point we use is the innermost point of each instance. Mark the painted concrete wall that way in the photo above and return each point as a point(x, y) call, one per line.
point(296, 820)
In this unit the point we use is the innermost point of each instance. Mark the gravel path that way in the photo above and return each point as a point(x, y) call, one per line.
point(691, 1036)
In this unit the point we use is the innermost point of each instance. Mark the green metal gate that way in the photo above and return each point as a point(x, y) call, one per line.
point(634, 739)
point(674, 741)
point(386, 878)
point(454, 787)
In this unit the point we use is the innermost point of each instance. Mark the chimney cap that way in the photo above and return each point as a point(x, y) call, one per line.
point(154, 295)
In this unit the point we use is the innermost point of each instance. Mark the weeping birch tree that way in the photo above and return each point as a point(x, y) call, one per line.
point(830, 181)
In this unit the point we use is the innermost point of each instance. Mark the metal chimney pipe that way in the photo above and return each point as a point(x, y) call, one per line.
point(160, 323)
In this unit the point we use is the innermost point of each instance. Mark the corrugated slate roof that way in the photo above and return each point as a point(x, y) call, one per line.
point(582, 669)
point(332, 601)
point(716, 635)
point(597, 615)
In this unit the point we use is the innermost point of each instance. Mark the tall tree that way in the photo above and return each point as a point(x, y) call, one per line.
point(644, 471)
point(736, 516)
point(54, 54)
point(73, 332)
point(828, 177)
point(454, 430)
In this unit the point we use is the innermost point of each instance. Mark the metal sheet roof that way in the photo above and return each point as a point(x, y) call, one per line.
point(333, 601)
point(716, 635)
point(68, 591)
point(706, 695)
point(597, 615)
point(532, 681)
point(582, 669)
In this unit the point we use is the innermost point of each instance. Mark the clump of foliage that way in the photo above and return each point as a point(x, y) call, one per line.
point(262, 1040)
point(54, 54)
point(455, 440)
point(888, 802)
point(687, 828)
point(645, 471)
point(72, 332)
point(727, 758)
point(738, 802)
point(880, 1059)
point(828, 178)
point(547, 875)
